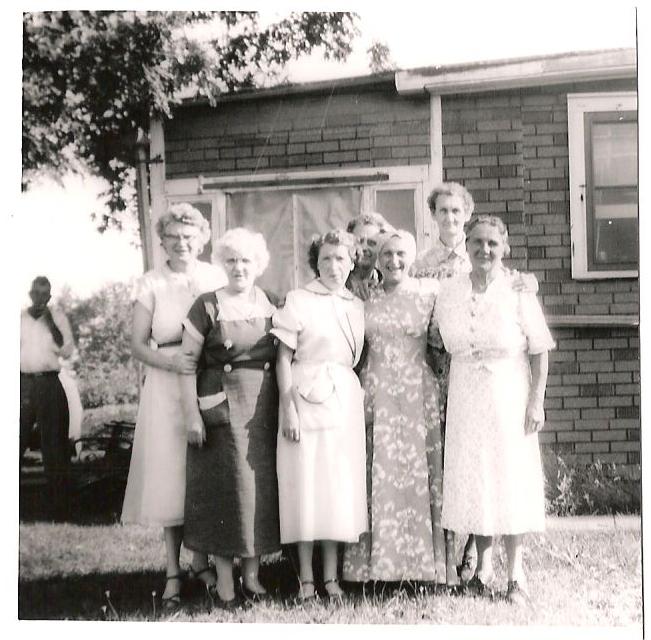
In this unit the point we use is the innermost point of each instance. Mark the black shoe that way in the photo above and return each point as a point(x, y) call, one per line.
point(172, 603)
point(516, 594)
point(476, 588)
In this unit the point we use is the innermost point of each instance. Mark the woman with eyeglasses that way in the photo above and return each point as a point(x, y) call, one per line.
point(155, 493)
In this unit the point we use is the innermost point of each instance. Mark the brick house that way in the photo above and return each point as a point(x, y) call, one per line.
point(548, 143)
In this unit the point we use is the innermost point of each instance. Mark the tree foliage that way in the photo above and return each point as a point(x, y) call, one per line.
point(92, 79)
point(101, 325)
point(379, 56)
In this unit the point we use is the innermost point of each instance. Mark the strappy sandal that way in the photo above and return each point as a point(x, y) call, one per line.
point(172, 603)
point(302, 597)
point(196, 575)
point(335, 598)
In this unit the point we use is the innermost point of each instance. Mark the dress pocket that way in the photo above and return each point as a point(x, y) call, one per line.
point(213, 403)
point(317, 403)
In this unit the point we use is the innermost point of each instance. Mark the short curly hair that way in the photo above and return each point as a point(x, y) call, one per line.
point(493, 221)
point(243, 241)
point(402, 235)
point(335, 237)
point(184, 213)
point(451, 189)
point(369, 217)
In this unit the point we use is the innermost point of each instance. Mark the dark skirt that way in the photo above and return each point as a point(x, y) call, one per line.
point(231, 500)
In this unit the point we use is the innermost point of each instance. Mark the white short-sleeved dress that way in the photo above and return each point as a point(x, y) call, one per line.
point(492, 476)
point(155, 491)
point(322, 478)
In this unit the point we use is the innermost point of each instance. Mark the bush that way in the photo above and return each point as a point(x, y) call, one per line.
point(101, 325)
point(596, 488)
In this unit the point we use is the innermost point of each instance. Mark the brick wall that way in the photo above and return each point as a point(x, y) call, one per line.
point(360, 127)
point(510, 149)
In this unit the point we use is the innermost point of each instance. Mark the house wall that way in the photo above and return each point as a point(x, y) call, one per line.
point(510, 149)
point(363, 127)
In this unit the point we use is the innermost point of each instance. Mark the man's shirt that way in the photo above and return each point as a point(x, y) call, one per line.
point(38, 351)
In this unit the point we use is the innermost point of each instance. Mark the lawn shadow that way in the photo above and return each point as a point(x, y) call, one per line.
point(130, 594)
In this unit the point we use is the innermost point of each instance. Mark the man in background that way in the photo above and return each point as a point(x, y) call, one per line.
point(45, 335)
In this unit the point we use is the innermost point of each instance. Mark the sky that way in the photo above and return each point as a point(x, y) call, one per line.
point(52, 226)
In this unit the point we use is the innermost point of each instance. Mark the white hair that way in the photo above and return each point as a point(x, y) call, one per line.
point(244, 242)
point(407, 237)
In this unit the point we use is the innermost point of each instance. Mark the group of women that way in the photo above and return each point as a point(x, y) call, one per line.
point(325, 420)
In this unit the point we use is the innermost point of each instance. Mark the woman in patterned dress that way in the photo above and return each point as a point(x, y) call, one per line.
point(404, 463)
point(155, 490)
point(499, 341)
point(321, 476)
point(231, 502)
point(452, 206)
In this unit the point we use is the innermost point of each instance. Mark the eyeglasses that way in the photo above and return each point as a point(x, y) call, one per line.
point(179, 238)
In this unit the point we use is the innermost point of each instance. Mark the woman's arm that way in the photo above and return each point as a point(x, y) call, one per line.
point(196, 429)
point(140, 349)
point(535, 416)
point(288, 416)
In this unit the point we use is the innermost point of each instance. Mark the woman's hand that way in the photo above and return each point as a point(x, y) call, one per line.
point(196, 432)
point(182, 363)
point(289, 423)
point(535, 416)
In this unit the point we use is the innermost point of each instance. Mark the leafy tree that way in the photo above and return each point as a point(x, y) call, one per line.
point(101, 325)
point(92, 79)
point(379, 56)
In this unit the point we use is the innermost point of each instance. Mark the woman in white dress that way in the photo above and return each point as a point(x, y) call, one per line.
point(321, 440)
point(498, 340)
point(155, 491)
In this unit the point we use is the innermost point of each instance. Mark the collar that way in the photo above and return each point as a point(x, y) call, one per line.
point(459, 249)
point(316, 286)
point(179, 274)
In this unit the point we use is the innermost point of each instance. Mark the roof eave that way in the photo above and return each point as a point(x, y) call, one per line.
point(527, 73)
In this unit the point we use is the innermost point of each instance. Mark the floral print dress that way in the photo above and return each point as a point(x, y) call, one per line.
point(404, 452)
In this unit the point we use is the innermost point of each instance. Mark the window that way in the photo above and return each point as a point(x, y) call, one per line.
point(289, 209)
point(602, 137)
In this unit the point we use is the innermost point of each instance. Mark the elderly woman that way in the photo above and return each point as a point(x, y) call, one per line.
point(366, 227)
point(231, 503)
point(155, 491)
point(452, 206)
point(405, 541)
point(499, 342)
point(321, 479)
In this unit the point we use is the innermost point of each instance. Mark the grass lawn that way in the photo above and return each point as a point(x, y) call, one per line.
point(575, 578)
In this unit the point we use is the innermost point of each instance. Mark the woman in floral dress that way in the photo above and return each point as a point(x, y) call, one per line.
point(452, 206)
point(404, 463)
point(499, 341)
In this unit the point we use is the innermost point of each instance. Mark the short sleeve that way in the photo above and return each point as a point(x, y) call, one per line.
point(287, 323)
point(201, 317)
point(143, 292)
point(534, 326)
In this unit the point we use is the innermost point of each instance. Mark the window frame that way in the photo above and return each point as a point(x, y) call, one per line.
point(578, 105)
point(215, 189)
